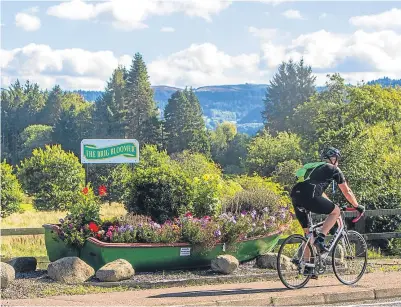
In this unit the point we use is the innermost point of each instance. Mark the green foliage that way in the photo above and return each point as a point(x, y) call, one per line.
point(158, 188)
point(141, 123)
point(11, 192)
point(266, 151)
point(291, 86)
point(74, 123)
point(184, 124)
point(52, 176)
point(82, 220)
point(284, 173)
point(34, 136)
point(257, 193)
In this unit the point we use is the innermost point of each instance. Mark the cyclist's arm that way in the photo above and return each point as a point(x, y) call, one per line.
point(347, 192)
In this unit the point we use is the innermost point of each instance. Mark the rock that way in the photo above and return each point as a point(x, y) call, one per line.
point(225, 264)
point(23, 264)
point(269, 261)
point(117, 270)
point(70, 270)
point(7, 274)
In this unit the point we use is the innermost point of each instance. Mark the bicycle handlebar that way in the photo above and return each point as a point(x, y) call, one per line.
point(358, 217)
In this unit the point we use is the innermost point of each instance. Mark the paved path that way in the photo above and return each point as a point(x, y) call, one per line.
point(249, 294)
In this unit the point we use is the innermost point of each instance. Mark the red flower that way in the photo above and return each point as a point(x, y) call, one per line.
point(102, 190)
point(207, 218)
point(85, 190)
point(188, 214)
point(93, 227)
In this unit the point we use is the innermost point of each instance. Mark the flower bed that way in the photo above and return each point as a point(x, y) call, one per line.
point(183, 242)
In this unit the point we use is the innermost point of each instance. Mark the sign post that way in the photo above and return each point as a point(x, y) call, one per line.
point(96, 151)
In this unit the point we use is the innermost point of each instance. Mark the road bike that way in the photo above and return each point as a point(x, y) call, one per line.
point(298, 260)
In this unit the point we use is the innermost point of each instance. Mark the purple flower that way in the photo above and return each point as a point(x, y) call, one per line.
point(253, 214)
point(217, 233)
point(130, 228)
point(70, 225)
point(243, 213)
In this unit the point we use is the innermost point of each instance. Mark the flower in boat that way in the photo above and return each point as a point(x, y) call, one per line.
point(93, 227)
point(217, 233)
point(102, 190)
point(85, 190)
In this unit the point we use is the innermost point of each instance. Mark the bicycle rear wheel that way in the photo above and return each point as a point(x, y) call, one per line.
point(291, 261)
point(350, 257)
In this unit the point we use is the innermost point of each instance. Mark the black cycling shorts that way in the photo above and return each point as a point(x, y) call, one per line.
point(318, 204)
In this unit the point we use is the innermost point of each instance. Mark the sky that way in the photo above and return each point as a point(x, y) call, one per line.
point(77, 44)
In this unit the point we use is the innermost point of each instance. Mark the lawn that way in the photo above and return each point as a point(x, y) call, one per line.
point(28, 217)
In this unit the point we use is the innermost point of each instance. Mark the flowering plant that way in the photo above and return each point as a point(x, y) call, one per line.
point(83, 220)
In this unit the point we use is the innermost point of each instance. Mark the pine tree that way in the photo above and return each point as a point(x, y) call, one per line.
point(52, 110)
point(141, 108)
point(184, 124)
point(111, 109)
point(291, 86)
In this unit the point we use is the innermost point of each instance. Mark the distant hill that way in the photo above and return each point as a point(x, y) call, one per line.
point(241, 103)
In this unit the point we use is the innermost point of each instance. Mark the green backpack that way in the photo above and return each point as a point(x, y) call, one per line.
point(300, 174)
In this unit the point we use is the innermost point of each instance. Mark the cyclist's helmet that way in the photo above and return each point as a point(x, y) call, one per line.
point(330, 152)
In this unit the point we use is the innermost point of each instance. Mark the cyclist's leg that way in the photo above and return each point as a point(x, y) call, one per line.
point(302, 218)
point(322, 205)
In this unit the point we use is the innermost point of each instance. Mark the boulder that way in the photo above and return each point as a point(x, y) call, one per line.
point(225, 264)
point(117, 270)
point(269, 261)
point(70, 270)
point(7, 274)
point(23, 264)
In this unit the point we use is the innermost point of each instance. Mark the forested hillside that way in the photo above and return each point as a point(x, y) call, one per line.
point(241, 104)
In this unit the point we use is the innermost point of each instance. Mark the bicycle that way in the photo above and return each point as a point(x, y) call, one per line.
point(307, 255)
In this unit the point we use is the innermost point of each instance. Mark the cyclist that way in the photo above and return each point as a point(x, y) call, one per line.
point(308, 193)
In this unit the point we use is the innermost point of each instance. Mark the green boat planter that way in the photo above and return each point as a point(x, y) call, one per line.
point(148, 257)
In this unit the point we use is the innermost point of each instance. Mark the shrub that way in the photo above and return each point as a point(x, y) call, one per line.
point(257, 194)
point(158, 187)
point(11, 191)
point(207, 182)
point(52, 176)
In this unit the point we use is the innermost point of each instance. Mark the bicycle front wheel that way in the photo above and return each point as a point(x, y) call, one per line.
point(294, 253)
point(350, 257)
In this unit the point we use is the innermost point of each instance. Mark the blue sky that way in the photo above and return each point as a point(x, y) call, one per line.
point(77, 44)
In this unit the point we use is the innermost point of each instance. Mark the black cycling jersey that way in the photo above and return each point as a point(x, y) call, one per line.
point(319, 180)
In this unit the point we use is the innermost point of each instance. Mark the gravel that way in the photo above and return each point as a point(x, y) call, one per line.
point(38, 284)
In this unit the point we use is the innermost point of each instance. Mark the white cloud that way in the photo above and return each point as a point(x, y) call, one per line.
point(292, 14)
point(357, 56)
point(27, 22)
point(67, 66)
point(203, 64)
point(130, 15)
point(323, 16)
point(275, 2)
point(263, 33)
point(386, 20)
point(167, 29)
point(375, 51)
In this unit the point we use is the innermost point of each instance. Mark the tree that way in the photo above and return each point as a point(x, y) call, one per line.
point(291, 86)
point(11, 192)
point(20, 107)
point(34, 136)
point(184, 124)
point(53, 176)
point(74, 125)
point(53, 108)
point(111, 109)
point(140, 106)
point(266, 151)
